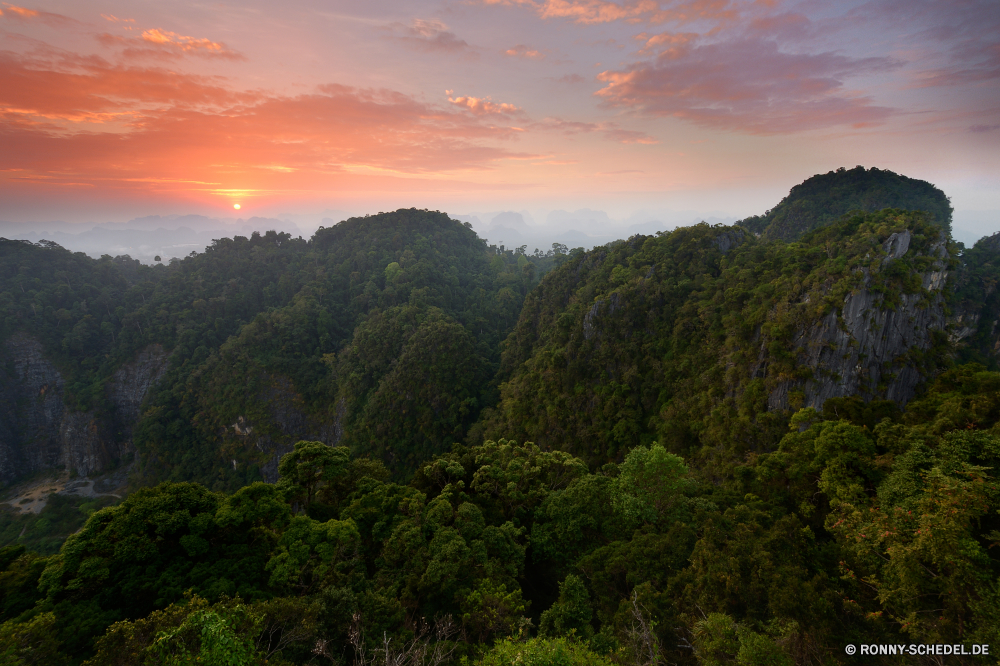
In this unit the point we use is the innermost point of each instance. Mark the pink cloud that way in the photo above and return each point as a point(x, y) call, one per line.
point(522, 51)
point(483, 106)
point(182, 42)
point(75, 121)
point(956, 42)
point(429, 36)
point(975, 66)
point(58, 85)
point(609, 130)
point(747, 85)
point(585, 11)
point(664, 42)
point(115, 19)
point(24, 14)
point(159, 44)
point(572, 79)
point(590, 12)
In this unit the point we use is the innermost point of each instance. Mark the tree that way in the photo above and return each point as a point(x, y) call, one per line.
point(308, 469)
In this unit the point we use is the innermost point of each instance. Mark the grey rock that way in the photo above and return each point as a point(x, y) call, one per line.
point(727, 240)
point(864, 347)
point(284, 423)
point(896, 245)
point(38, 432)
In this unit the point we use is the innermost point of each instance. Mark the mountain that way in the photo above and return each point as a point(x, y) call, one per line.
point(240, 351)
point(706, 339)
point(698, 447)
point(824, 198)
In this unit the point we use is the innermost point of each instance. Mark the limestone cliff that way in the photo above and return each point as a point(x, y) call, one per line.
point(869, 347)
point(38, 432)
point(279, 422)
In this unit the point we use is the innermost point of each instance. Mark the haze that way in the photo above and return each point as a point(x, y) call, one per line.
point(598, 117)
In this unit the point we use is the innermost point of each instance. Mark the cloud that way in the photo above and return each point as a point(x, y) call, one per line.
point(584, 11)
point(747, 85)
point(156, 43)
point(979, 129)
point(115, 19)
point(522, 51)
point(970, 63)
point(591, 12)
point(181, 42)
point(59, 87)
point(429, 36)
point(609, 130)
point(483, 106)
point(949, 44)
point(70, 121)
point(571, 79)
point(628, 136)
point(23, 14)
point(665, 42)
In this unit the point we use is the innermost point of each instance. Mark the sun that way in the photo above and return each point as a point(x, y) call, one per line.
point(236, 206)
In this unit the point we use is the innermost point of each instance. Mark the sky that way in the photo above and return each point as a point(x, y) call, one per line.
point(111, 110)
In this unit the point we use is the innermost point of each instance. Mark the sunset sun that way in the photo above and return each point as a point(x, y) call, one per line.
point(236, 206)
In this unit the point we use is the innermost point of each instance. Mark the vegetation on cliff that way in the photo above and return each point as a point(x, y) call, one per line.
point(683, 338)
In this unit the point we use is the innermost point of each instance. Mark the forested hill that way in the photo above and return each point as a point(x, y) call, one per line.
point(706, 339)
point(824, 198)
point(238, 352)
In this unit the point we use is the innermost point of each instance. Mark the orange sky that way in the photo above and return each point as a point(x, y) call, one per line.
point(115, 109)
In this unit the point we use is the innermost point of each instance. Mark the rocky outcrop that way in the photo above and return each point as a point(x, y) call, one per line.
point(729, 239)
point(39, 432)
point(867, 347)
point(130, 385)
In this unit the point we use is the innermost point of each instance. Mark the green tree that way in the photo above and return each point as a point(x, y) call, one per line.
point(571, 614)
point(308, 469)
point(651, 483)
point(542, 652)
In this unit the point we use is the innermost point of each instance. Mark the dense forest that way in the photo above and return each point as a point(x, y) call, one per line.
point(395, 444)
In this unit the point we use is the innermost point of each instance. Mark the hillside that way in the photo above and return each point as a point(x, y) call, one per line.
point(706, 339)
point(238, 352)
point(824, 198)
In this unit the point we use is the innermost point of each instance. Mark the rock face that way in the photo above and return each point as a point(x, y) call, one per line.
point(39, 432)
point(131, 384)
point(867, 347)
point(275, 429)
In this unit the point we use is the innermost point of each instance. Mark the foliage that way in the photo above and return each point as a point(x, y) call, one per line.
point(650, 484)
point(264, 333)
point(194, 632)
point(822, 199)
point(542, 652)
point(45, 531)
point(30, 642)
point(682, 339)
point(840, 533)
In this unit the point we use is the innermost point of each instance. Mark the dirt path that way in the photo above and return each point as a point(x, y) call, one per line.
point(32, 496)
